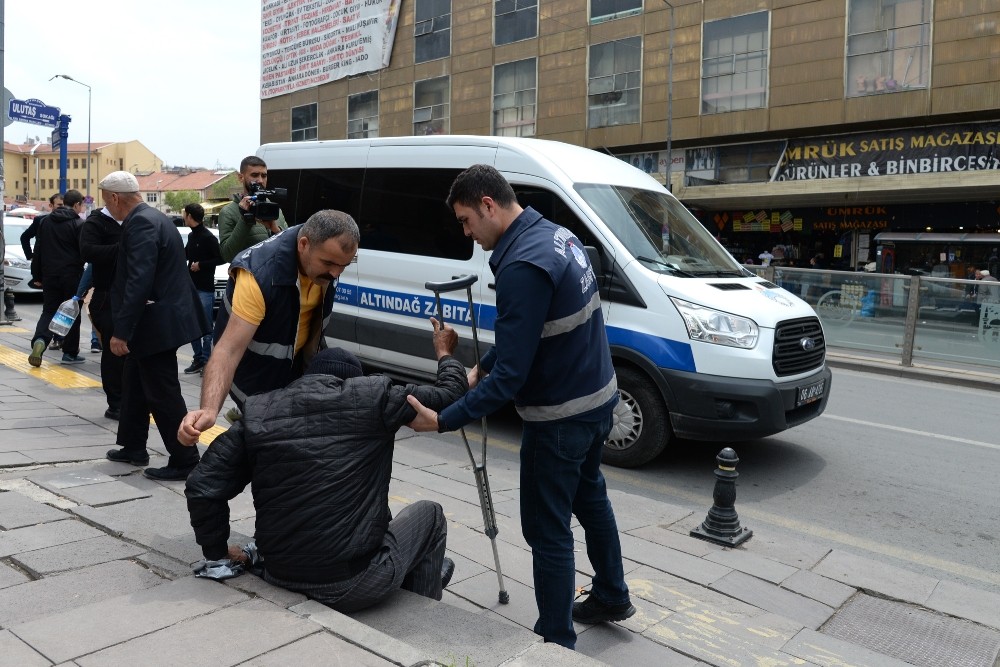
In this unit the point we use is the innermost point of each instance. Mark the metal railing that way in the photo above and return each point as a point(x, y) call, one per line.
point(914, 318)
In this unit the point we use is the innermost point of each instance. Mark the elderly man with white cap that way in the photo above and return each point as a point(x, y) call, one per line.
point(156, 310)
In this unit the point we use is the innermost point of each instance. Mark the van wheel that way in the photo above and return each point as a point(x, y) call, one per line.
point(640, 429)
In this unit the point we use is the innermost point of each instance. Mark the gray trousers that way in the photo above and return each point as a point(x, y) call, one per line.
point(410, 558)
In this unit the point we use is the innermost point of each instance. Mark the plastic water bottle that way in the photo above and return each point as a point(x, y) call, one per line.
point(64, 318)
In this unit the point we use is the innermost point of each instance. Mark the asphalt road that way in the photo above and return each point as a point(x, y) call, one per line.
point(904, 471)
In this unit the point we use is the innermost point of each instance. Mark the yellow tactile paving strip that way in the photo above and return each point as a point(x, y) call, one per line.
point(53, 373)
point(211, 434)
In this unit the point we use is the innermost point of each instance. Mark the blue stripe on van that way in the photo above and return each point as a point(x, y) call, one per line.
point(663, 352)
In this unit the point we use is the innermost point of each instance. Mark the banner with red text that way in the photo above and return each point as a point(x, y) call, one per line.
point(305, 43)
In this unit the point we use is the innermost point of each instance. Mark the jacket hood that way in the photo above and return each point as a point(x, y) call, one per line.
point(62, 214)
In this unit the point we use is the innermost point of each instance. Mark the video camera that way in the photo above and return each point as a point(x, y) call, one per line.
point(261, 208)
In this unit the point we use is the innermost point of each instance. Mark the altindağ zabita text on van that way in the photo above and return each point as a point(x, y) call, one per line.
point(703, 349)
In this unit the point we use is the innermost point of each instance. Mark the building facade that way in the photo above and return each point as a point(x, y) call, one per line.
point(794, 127)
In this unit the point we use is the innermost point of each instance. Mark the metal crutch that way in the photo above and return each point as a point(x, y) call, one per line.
point(482, 479)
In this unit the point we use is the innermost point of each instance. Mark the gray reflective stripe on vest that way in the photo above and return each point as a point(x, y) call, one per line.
point(240, 396)
point(544, 413)
point(570, 322)
point(276, 350)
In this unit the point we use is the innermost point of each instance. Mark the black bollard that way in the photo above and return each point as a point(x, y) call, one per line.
point(722, 525)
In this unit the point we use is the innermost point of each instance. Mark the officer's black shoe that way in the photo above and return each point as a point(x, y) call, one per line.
point(591, 610)
point(447, 569)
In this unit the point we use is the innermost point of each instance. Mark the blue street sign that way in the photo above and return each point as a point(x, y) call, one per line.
point(33, 111)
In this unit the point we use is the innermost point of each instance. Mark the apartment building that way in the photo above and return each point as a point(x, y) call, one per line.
point(800, 126)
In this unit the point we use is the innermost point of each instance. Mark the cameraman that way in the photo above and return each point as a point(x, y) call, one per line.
point(239, 227)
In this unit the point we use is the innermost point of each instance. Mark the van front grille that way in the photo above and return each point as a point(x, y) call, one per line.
point(799, 346)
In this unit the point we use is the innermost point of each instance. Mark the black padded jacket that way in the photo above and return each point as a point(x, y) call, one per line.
point(318, 456)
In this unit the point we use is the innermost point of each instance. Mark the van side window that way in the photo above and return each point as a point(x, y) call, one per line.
point(554, 209)
point(403, 210)
point(311, 190)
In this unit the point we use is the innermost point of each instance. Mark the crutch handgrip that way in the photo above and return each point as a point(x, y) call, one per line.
point(458, 283)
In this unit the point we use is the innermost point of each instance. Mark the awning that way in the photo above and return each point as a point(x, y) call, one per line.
point(934, 237)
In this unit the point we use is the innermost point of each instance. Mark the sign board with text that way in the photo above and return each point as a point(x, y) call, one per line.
point(33, 111)
point(305, 43)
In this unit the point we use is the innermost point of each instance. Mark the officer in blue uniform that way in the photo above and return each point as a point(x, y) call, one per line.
point(552, 358)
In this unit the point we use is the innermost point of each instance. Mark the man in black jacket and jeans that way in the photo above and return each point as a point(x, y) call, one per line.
point(60, 266)
point(203, 255)
point(318, 454)
point(99, 246)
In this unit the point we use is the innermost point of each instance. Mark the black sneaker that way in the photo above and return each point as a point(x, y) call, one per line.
point(56, 343)
point(125, 456)
point(447, 569)
point(194, 367)
point(591, 610)
point(113, 413)
point(168, 473)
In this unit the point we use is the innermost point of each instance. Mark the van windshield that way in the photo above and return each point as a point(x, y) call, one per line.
point(659, 232)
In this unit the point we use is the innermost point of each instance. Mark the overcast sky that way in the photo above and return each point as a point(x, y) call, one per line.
point(182, 77)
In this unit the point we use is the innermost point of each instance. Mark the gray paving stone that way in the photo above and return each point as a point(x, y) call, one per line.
point(678, 594)
point(515, 562)
point(426, 478)
point(614, 645)
point(18, 510)
point(101, 549)
point(165, 566)
point(466, 568)
point(715, 643)
point(92, 627)
point(672, 561)
point(966, 602)
point(670, 538)
point(67, 454)
point(789, 551)
point(50, 595)
point(41, 422)
point(392, 649)
point(66, 478)
point(442, 632)
point(872, 575)
point(107, 493)
point(820, 649)
point(554, 655)
point(634, 511)
point(257, 587)
point(9, 576)
point(45, 535)
point(13, 651)
point(482, 591)
point(320, 649)
point(405, 493)
point(14, 459)
point(758, 566)
point(35, 412)
point(239, 633)
point(764, 595)
point(829, 592)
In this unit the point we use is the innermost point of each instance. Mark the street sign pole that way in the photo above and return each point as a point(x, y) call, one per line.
point(63, 131)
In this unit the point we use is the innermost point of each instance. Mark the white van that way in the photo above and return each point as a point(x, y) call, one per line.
point(703, 348)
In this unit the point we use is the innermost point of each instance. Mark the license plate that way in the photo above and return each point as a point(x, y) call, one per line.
point(809, 393)
point(220, 293)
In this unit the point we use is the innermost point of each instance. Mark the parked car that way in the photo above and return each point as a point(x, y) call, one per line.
point(16, 269)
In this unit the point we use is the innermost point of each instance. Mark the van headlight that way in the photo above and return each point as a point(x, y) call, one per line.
point(715, 326)
point(15, 263)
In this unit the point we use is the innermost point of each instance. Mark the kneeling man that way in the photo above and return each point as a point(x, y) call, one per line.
point(318, 456)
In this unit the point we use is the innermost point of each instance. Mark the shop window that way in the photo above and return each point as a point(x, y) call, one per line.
point(614, 83)
point(304, 123)
point(515, 20)
point(430, 106)
point(362, 115)
point(734, 64)
point(514, 99)
point(888, 46)
point(605, 10)
point(431, 30)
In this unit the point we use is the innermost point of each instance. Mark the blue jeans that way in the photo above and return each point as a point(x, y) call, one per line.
point(202, 347)
point(561, 476)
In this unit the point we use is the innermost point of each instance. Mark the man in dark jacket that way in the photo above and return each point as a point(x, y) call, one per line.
point(99, 246)
point(318, 454)
point(202, 252)
point(155, 310)
point(60, 266)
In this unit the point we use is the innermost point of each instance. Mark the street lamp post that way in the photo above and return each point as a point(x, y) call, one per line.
point(69, 78)
point(670, 96)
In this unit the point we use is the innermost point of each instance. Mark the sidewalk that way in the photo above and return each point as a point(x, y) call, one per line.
point(95, 570)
